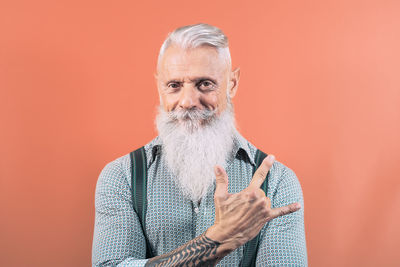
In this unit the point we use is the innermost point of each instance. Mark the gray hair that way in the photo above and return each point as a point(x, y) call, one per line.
point(193, 36)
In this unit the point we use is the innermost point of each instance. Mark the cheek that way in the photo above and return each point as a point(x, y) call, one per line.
point(168, 102)
point(213, 100)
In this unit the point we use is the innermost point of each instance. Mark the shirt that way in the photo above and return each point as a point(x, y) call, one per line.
point(172, 220)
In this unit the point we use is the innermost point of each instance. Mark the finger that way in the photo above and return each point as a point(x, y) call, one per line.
point(285, 210)
point(262, 171)
point(221, 183)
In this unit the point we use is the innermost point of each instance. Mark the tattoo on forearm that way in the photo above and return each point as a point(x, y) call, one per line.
point(200, 251)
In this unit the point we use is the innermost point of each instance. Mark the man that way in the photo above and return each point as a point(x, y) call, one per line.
point(203, 202)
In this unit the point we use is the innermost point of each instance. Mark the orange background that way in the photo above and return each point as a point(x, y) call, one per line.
point(320, 89)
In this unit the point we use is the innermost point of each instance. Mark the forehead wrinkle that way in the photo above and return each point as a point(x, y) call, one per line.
point(191, 75)
point(190, 66)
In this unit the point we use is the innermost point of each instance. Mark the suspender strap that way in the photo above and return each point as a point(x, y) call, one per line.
point(251, 247)
point(139, 190)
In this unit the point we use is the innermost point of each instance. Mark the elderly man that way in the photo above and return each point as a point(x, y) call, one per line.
point(202, 197)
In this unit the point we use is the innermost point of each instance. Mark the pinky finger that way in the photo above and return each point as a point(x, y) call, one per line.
point(285, 210)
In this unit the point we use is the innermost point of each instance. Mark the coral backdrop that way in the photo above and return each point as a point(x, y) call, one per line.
point(320, 89)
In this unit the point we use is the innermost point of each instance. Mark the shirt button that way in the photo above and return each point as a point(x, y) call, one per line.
point(196, 210)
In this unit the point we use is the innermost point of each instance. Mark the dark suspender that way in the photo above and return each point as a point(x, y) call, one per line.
point(139, 201)
point(250, 248)
point(139, 191)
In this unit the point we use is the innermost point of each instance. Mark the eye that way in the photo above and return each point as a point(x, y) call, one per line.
point(173, 86)
point(205, 85)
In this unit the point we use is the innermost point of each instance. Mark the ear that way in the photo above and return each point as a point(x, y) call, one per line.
point(234, 82)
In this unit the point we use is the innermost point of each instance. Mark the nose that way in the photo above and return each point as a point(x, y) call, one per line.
point(189, 98)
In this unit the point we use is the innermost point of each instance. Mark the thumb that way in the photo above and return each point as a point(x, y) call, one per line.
point(221, 183)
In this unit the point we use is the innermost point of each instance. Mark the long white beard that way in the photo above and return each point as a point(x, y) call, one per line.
point(194, 142)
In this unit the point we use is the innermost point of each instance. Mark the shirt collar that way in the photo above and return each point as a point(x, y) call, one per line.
point(156, 148)
point(241, 148)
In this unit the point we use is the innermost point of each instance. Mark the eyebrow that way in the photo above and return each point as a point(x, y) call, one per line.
point(195, 80)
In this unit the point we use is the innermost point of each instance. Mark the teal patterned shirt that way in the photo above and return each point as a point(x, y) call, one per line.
point(172, 220)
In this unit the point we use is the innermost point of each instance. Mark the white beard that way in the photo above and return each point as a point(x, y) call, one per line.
point(193, 143)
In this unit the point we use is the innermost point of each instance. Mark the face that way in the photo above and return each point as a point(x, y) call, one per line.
point(197, 78)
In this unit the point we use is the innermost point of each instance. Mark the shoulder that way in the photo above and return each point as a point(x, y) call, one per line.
point(280, 173)
point(117, 167)
point(113, 178)
point(283, 185)
point(118, 171)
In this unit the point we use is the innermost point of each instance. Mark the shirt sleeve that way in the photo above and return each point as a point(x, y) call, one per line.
point(283, 240)
point(118, 239)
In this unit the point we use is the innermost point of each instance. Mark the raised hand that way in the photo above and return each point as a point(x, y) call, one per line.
point(239, 217)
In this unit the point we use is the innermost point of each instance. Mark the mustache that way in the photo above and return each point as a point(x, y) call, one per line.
point(192, 114)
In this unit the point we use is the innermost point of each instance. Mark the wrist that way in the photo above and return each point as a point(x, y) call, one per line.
point(228, 244)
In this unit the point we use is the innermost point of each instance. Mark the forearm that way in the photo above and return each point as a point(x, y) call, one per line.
point(201, 251)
